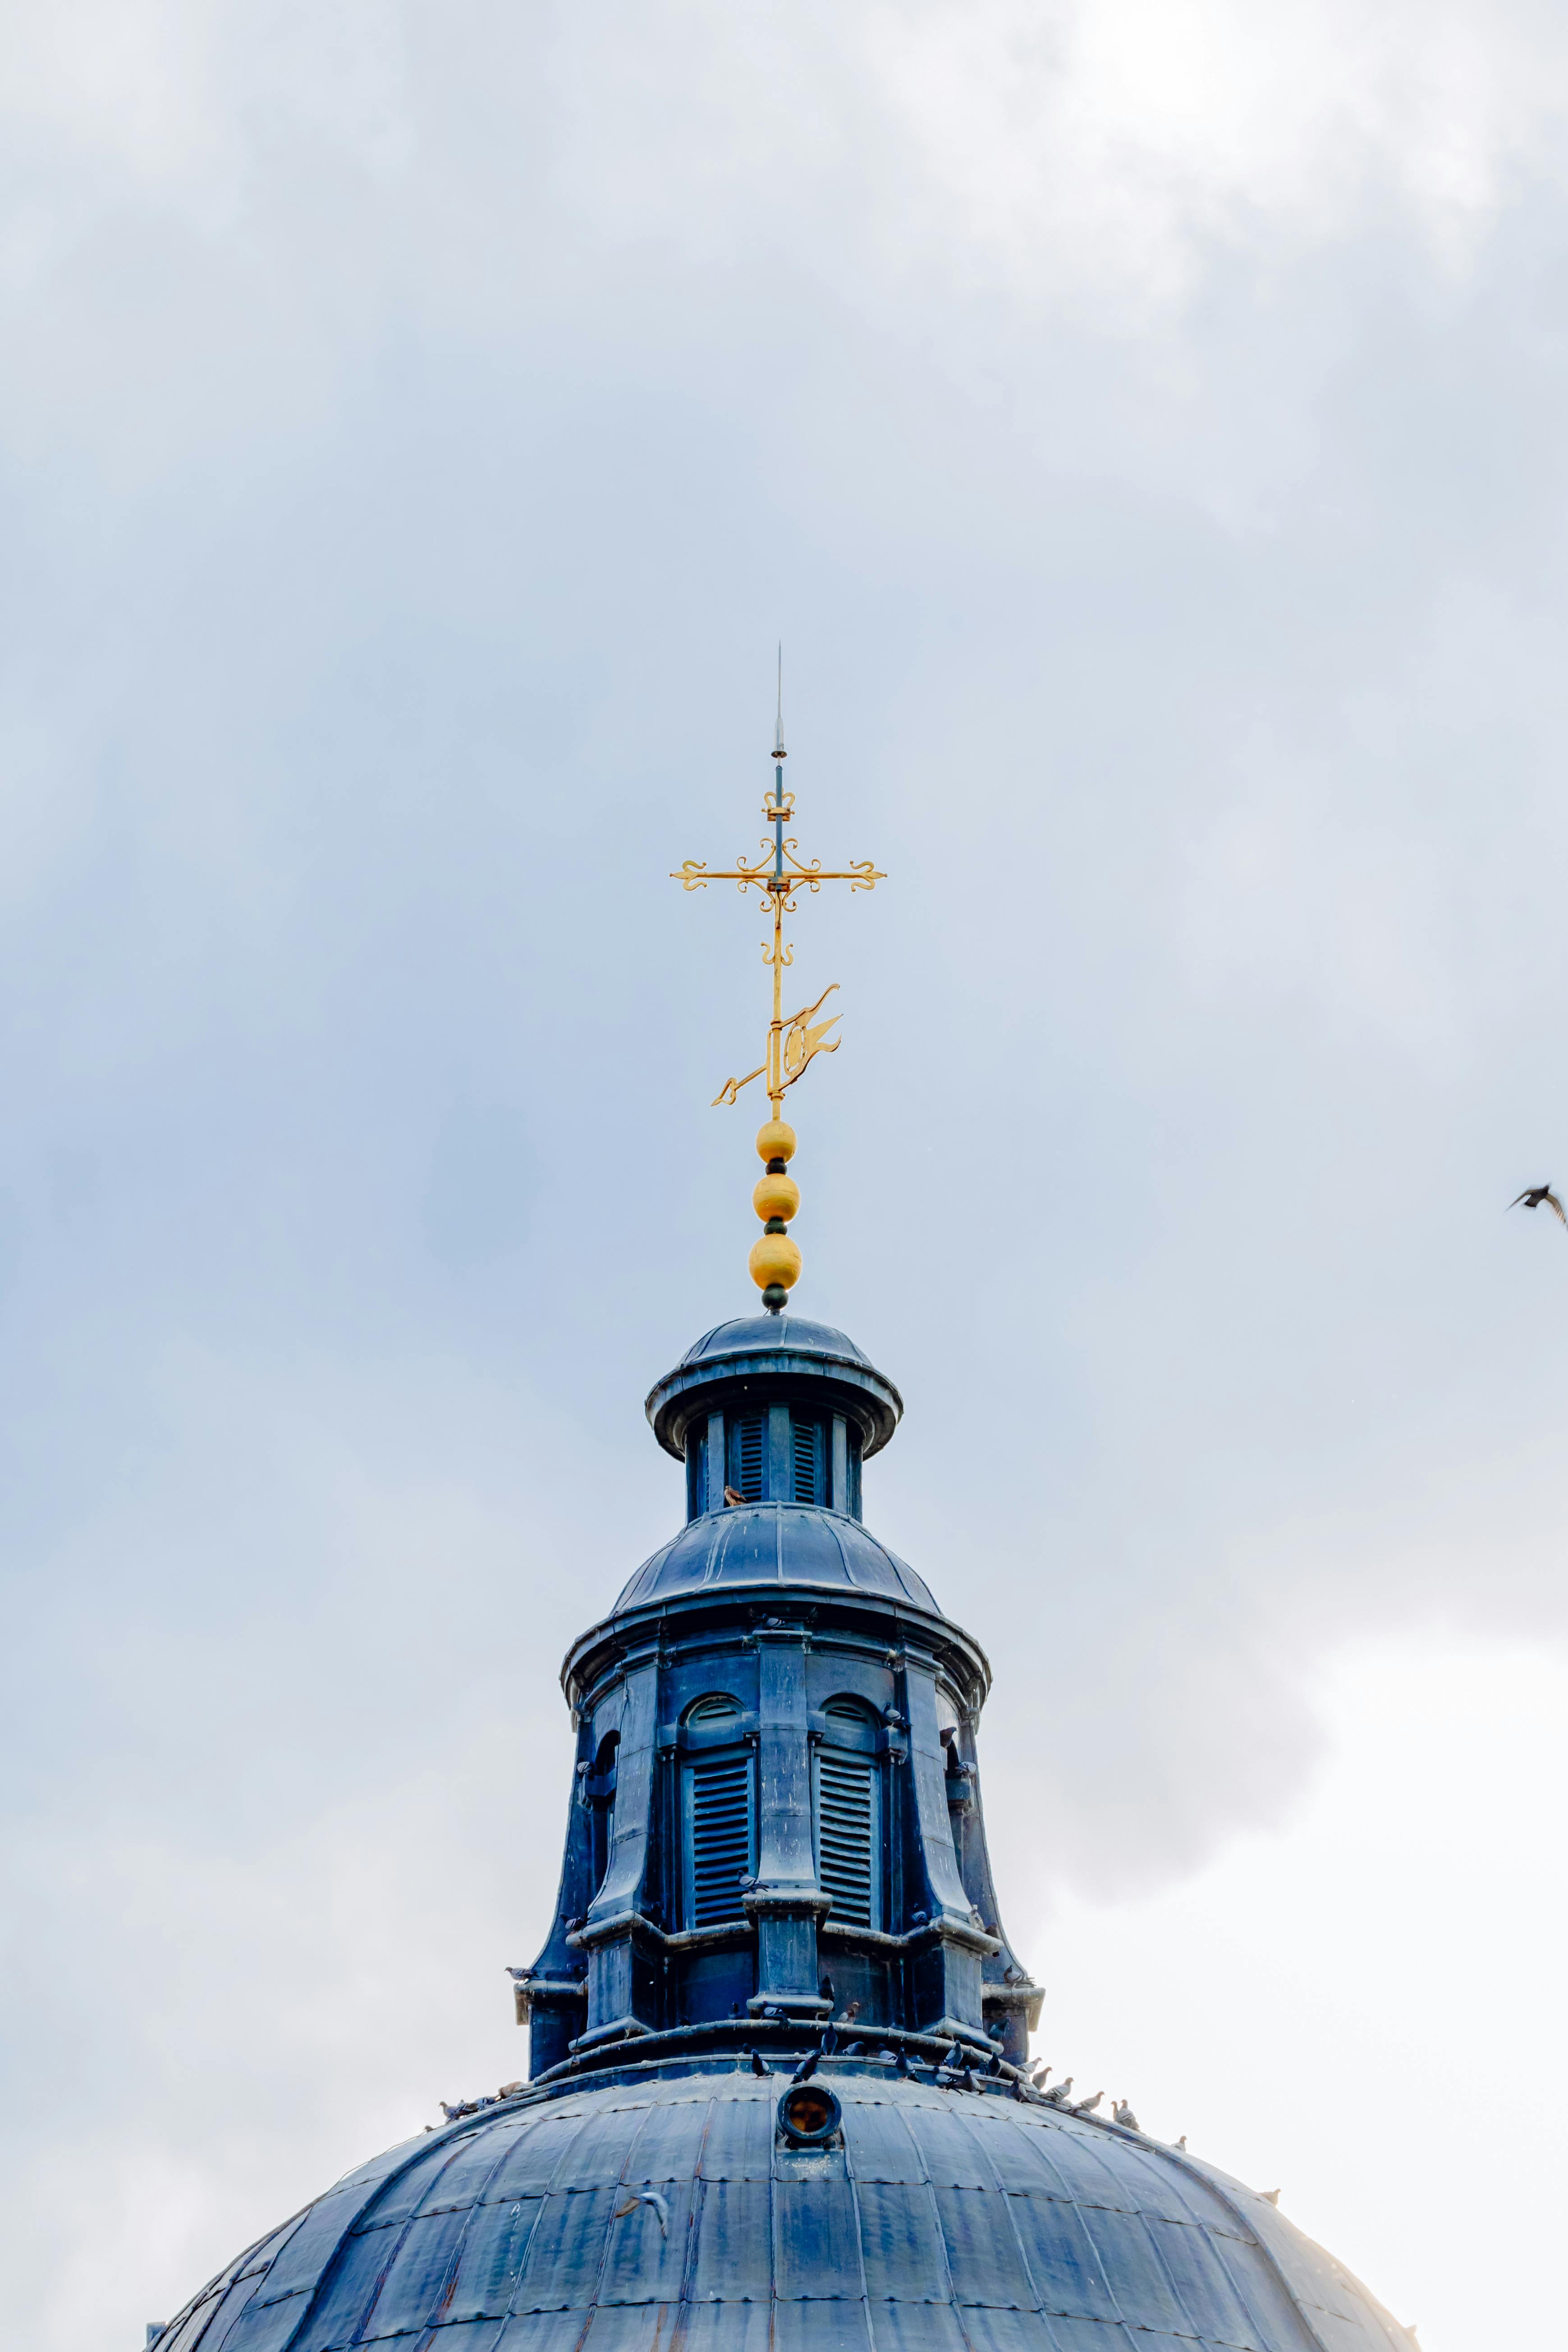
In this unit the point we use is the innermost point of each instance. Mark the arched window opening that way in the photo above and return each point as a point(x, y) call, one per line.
point(602, 1807)
point(718, 1819)
point(850, 1710)
point(712, 1709)
point(847, 1810)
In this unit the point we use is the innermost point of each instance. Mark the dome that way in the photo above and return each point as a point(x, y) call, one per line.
point(776, 1829)
point(662, 2205)
point(786, 1355)
point(775, 1543)
point(771, 1335)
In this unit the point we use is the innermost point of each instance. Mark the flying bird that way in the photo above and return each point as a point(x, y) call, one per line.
point(647, 2197)
point(807, 2068)
point(1533, 1195)
point(1122, 2114)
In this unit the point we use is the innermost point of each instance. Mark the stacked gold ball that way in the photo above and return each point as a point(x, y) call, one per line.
point(775, 1259)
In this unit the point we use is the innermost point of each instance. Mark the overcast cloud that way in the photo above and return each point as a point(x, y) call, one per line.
point(1145, 427)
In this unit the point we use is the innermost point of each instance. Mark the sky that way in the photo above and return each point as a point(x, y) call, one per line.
point(1145, 429)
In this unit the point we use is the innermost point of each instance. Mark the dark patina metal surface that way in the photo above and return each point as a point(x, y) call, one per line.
point(664, 2207)
point(647, 2188)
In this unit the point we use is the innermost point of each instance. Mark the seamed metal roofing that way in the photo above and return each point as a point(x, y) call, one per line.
point(775, 1544)
point(947, 2221)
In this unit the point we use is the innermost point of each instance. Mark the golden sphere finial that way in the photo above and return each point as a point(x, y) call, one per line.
point(776, 1196)
point(775, 1139)
point(775, 1263)
point(775, 1260)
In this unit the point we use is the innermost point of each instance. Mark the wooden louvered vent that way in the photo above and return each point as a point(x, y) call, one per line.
point(720, 1836)
point(848, 1863)
point(746, 1455)
point(806, 1437)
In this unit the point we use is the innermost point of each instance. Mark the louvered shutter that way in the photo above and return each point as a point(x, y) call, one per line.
point(720, 1836)
point(848, 1860)
point(746, 1455)
point(806, 1437)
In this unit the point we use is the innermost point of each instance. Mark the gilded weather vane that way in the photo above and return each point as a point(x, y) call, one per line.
point(794, 1039)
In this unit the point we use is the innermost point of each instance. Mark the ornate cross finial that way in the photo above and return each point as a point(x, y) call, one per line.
point(794, 1039)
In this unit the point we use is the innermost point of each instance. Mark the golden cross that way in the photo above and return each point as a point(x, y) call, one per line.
point(793, 1044)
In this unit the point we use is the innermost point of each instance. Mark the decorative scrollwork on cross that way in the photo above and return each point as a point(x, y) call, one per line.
point(792, 1044)
point(794, 1039)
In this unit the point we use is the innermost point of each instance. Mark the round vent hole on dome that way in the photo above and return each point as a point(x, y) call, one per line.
point(809, 2114)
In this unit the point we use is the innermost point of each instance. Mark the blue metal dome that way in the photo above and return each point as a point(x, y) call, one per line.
point(776, 1847)
point(775, 1544)
point(790, 1358)
point(769, 1335)
point(659, 2208)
